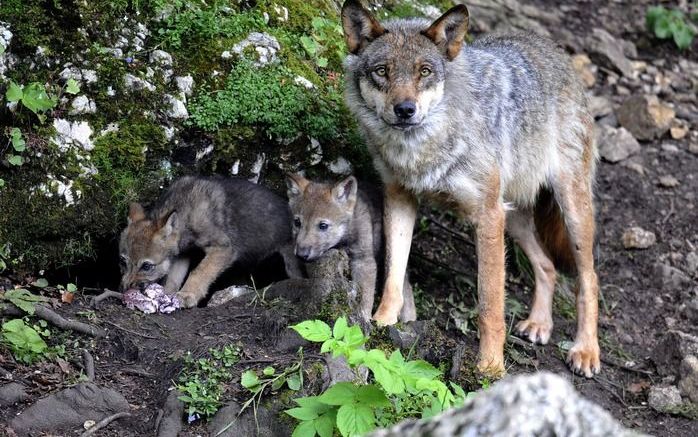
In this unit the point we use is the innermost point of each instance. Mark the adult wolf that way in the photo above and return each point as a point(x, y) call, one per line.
point(499, 127)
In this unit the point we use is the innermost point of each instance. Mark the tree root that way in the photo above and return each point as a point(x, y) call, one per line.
point(106, 295)
point(89, 365)
point(104, 422)
point(46, 313)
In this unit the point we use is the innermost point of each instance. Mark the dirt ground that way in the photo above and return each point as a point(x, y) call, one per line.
point(141, 356)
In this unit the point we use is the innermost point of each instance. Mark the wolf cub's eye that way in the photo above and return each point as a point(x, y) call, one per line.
point(425, 71)
point(122, 260)
point(147, 266)
point(323, 226)
point(297, 222)
point(380, 71)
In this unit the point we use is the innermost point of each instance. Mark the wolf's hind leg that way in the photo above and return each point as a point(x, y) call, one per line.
point(363, 272)
point(539, 324)
point(575, 199)
point(291, 262)
point(178, 271)
point(217, 259)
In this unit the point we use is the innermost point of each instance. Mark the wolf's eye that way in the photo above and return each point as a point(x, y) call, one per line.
point(425, 71)
point(380, 71)
point(323, 226)
point(147, 266)
point(122, 260)
point(297, 222)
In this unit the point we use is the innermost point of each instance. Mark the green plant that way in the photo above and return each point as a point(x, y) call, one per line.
point(671, 23)
point(33, 96)
point(400, 388)
point(24, 341)
point(22, 299)
point(325, 40)
point(19, 146)
point(202, 380)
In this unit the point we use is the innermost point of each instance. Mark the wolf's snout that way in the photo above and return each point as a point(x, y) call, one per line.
point(303, 252)
point(405, 110)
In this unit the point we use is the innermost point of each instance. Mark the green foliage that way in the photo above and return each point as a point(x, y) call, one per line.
point(33, 96)
point(325, 41)
point(24, 341)
point(400, 389)
point(23, 299)
point(72, 86)
point(202, 380)
point(268, 98)
point(670, 23)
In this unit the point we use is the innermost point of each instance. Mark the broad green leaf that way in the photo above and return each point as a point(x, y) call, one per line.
point(421, 369)
point(268, 371)
point(18, 142)
point(294, 382)
point(683, 37)
point(356, 357)
point(309, 45)
point(40, 283)
point(249, 379)
point(340, 327)
point(355, 420)
point(302, 413)
point(23, 299)
point(339, 394)
point(25, 340)
point(71, 288)
point(662, 27)
point(2, 184)
point(36, 99)
point(304, 429)
point(15, 160)
point(278, 383)
point(322, 62)
point(324, 425)
point(313, 330)
point(72, 86)
point(328, 345)
point(372, 396)
point(14, 92)
point(354, 337)
point(313, 402)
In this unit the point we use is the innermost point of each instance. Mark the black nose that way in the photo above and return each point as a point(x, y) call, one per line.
point(405, 109)
point(140, 285)
point(303, 252)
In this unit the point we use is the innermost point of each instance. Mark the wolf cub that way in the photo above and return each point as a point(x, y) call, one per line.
point(327, 216)
point(231, 220)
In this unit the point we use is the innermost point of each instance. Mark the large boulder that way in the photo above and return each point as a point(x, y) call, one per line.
point(538, 404)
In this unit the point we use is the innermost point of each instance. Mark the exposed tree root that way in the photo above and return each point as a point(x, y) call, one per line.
point(104, 422)
point(44, 312)
point(106, 295)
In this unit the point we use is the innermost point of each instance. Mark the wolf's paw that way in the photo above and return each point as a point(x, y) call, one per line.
point(535, 331)
point(584, 358)
point(492, 369)
point(188, 299)
point(385, 317)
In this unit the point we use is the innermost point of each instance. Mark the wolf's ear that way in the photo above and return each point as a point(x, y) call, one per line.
point(360, 27)
point(135, 212)
point(344, 191)
point(170, 224)
point(449, 30)
point(295, 184)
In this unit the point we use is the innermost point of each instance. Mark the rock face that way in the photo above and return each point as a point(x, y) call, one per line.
point(69, 409)
point(672, 349)
point(12, 393)
point(608, 51)
point(688, 373)
point(638, 238)
point(616, 144)
point(538, 404)
point(664, 399)
point(645, 116)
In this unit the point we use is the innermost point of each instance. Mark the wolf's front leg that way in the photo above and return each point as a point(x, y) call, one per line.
point(490, 286)
point(398, 221)
point(217, 259)
point(178, 271)
point(363, 272)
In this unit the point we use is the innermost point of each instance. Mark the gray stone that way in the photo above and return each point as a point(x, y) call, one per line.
point(604, 49)
point(134, 83)
point(245, 425)
point(69, 409)
point(600, 106)
point(672, 349)
point(638, 238)
point(692, 261)
point(82, 105)
point(645, 116)
point(227, 294)
point(171, 423)
point(669, 277)
point(538, 404)
point(668, 181)
point(161, 58)
point(185, 84)
point(175, 108)
point(265, 45)
point(688, 372)
point(616, 145)
point(12, 393)
point(664, 399)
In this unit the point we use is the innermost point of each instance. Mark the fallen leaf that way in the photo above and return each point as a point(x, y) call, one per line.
point(67, 297)
point(638, 387)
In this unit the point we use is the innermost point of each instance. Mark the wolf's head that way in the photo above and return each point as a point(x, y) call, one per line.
point(322, 214)
point(400, 66)
point(146, 247)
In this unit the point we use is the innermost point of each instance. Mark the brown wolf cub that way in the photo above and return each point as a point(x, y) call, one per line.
point(327, 216)
point(501, 128)
point(231, 220)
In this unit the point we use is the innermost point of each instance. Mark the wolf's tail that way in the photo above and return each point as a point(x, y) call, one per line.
point(552, 231)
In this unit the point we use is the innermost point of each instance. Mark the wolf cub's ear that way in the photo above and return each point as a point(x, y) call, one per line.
point(344, 191)
point(360, 27)
point(449, 30)
point(170, 224)
point(295, 184)
point(135, 212)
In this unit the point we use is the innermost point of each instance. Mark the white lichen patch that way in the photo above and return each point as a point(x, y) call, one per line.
point(305, 83)
point(82, 105)
point(175, 108)
point(75, 134)
point(315, 150)
point(340, 166)
point(55, 187)
point(6, 60)
point(185, 84)
point(79, 74)
point(111, 127)
point(265, 46)
point(135, 83)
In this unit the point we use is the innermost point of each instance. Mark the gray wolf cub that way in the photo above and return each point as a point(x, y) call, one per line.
point(500, 127)
point(326, 216)
point(229, 219)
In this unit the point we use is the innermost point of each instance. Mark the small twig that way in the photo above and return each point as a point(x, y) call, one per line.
point(671, 212)
point(45, 313)
point(136, 372)
point(132, 332)
point(614, 363)
point(459, 235)
point(106, 295)
point(89, 365)
point(104, 422)
point(259, 361)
